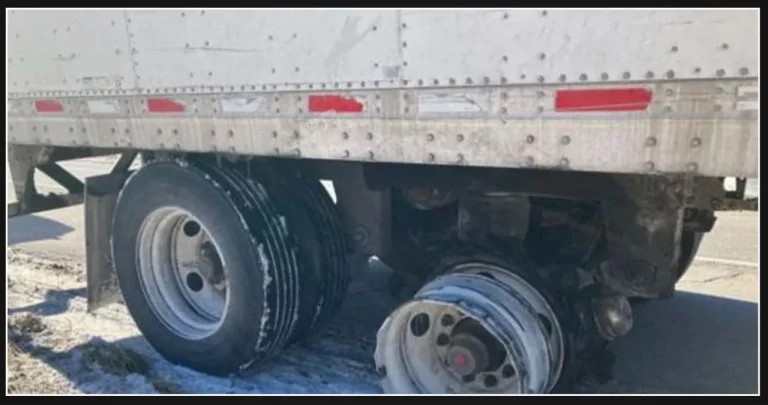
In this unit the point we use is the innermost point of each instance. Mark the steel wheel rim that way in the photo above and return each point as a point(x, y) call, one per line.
point(539, 304)
point(532, 361)
point(182, 274)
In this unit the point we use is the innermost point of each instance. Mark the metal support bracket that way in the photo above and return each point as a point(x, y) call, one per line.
point(644, 237)
point(101, 194)
point(365, 214)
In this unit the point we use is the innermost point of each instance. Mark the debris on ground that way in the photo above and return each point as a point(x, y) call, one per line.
point(26, 325)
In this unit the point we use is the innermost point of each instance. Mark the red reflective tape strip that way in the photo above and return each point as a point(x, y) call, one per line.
point(164, 105)
point(635, 99)
point(334, 103)
point(48, 106)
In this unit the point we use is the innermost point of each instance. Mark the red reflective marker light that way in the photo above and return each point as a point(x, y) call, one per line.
point(633, 99)
point(334, 103)
point(164, 105)
point(48, 106)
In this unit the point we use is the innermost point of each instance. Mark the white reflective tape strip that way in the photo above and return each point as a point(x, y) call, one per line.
point(747, 98)
point(244, 105)
point(453, 103)
point(15, 107)
point(747, 106)
point(103, 106)
point(747, 91)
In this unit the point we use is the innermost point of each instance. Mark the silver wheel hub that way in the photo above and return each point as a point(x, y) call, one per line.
point(477, 329)
point(467, 355)
point(182, 273)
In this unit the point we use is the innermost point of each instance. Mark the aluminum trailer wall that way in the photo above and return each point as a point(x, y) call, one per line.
point(630, 91)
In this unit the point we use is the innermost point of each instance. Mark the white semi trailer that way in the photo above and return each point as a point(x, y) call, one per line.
point(527, 171)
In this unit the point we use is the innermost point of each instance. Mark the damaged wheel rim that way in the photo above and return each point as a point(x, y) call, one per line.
point(182, 273)
point(478, 329)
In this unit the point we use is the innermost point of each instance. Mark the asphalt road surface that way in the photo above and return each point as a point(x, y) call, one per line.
point(704, 340)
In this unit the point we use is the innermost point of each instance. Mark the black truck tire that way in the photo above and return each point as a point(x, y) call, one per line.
point(259, 268)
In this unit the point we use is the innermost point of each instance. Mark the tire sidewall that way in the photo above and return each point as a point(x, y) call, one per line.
point(171, 185)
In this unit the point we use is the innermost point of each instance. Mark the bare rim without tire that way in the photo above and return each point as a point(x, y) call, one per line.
point(479, 329)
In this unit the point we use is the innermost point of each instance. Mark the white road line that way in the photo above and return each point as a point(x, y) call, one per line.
point(727, 261)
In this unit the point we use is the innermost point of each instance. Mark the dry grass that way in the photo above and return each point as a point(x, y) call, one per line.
point(28, 374)
point(114, 360)
point(27, 325)
point(19, 366)
point(121, 362)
